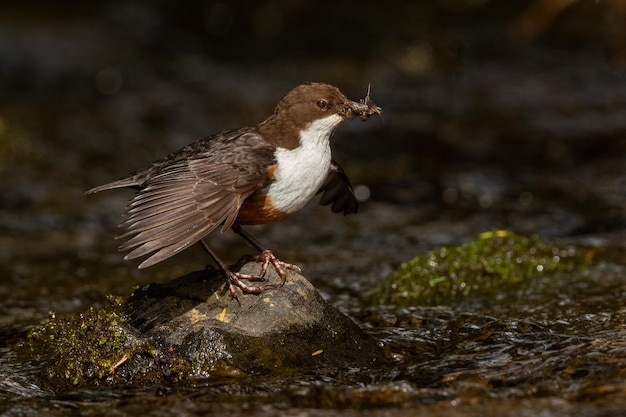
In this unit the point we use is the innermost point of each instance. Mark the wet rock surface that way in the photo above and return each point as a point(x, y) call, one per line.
point(191, 329)
point(284, 329)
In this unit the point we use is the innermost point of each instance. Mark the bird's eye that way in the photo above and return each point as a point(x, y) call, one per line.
point(322, 104)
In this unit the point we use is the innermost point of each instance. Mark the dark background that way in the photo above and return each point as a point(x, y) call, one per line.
point(496, 115)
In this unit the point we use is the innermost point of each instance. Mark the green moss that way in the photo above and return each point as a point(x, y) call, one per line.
point(81, 350)
point(498, 265)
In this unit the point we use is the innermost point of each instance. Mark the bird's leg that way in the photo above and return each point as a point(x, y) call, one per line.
point(267, 257)
point(234, 279)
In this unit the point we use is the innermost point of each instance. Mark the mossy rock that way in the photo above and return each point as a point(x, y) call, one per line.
point(190, 329)
point(499, 265)
point(86, 349)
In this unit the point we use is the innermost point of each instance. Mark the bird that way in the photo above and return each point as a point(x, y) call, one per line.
point(248, 176)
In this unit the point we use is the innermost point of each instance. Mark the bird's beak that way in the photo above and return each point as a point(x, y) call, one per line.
point(364, 108)
point(354, 109)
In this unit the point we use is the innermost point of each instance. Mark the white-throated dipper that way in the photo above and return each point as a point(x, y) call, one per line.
point(252, 175)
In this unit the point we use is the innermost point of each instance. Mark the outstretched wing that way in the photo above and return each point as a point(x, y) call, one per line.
point(337, 190)
point(182, 205)
point(190, 197)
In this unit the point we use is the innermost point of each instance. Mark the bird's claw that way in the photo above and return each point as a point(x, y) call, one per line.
point(266, 258)
point(237, 279)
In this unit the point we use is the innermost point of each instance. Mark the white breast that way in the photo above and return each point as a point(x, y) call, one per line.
point(301, 171)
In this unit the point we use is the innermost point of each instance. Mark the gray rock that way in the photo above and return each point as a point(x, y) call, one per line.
point(193, 320)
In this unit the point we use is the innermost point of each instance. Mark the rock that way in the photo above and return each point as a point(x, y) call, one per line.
point(284, 329)
point(191, 328)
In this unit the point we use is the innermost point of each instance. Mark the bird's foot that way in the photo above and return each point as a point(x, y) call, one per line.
point(267, 257)
point(237, 279)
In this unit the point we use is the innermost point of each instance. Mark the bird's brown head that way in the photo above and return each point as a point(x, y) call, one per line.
point(311, 102)
point(314, 101)
point(317, 100)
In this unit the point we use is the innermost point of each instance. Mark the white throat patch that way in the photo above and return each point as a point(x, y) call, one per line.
point(301, 171)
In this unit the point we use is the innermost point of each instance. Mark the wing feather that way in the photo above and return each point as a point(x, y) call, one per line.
point(182, 205)
point(337, 191)
point(171, 250)
point(188, 194)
